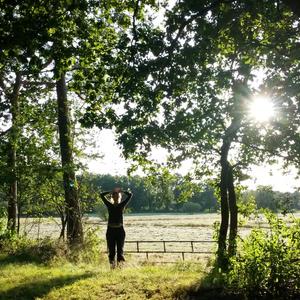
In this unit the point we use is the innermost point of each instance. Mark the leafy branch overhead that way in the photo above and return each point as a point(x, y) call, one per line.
point(190, 85)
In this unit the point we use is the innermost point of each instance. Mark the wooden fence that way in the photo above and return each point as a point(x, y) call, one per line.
point(168, 247)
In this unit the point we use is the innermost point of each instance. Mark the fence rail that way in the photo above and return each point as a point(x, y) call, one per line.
point(165, 247)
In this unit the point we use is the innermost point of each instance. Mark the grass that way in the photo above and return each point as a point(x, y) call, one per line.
point(23, 277)
point(27, 280)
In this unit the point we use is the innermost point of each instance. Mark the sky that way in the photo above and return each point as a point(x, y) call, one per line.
point(113, 163)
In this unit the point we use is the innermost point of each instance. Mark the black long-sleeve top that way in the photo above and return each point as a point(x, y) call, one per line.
point(115, 211)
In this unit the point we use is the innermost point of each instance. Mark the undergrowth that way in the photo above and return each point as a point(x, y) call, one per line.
point(267, 266)
point(49, 250)
point(268, 263)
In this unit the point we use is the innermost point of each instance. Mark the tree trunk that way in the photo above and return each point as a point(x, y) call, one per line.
point(12, 209)
point(63, 220)
point(222, 261)
point(228, 199)
point(74, 224)
point(233, 214)
point(19, 218)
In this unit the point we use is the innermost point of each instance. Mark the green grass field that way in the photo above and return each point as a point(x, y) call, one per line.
point(29, 278)
point(25, 280)
point(137, 280)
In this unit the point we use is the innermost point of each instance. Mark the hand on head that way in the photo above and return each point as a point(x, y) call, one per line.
point(116, 190)
point(116, 194)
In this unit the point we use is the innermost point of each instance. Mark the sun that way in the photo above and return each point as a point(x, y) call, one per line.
point(261, 109)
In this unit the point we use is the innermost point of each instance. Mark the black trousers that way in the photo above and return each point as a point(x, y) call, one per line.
point(115, 238)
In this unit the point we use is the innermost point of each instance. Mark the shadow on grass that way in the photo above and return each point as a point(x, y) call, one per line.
point(207, 288)
point(204, 294)
point(40, 288)
point(6, 259)
point(198, 292)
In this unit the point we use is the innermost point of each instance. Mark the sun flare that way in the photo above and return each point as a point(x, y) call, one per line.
point(261, 109)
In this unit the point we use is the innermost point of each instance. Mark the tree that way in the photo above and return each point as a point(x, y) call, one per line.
point(13, 97)
point(83, 37)
point(206, 199)
point(197, 85)
point(188, 89)
point(73, 40)
point(265, 198)
point(18, 66)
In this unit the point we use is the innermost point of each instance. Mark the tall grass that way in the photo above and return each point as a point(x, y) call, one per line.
point(48, 269)
point(27, 280)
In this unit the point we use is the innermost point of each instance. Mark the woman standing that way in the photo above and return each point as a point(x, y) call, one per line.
point(115, 234)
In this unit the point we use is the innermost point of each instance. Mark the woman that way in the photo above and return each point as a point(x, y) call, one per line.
point(115, 234)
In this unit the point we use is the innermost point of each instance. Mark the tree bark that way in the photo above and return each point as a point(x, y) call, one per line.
point(222, 257)
point(12, 209)
point(63, 221)
point(233, 214)
point(19, 218)
point(228, 199)
point(74, 223)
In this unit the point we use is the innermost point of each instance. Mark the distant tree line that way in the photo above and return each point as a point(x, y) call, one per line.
point(155, 194)
point(172, 194)
point(158, 193)
point(266, 197)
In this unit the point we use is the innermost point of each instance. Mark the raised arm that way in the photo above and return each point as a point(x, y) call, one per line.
point(106, 202)
point(128, 197)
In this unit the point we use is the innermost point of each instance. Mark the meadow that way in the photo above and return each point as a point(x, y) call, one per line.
point(22, 277)
point(25, 280)
point(138, 279)
point(153, 227)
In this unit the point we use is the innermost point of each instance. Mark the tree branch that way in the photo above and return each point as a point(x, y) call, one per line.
point(268, 151)
point(48, 84)
point(293, 5)
point(47, 63)
point(134, 17)
point(194, 17)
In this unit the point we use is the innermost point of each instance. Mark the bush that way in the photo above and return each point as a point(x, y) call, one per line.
point(53, 251)
point(268, 263)
point(191, 207)
point(90, 251)
point(40, 251)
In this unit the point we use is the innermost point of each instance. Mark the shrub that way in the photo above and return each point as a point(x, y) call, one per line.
point(91, 250)
point(191, 207)
point(51, 251)
point(2, 222)
point(40, 251)
point(267, 265)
